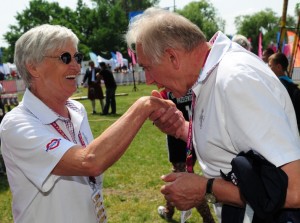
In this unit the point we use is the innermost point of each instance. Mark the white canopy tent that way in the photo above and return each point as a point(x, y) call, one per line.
point(112, 62)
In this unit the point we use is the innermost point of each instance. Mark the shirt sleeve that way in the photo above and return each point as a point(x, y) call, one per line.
point(34, 148)
point(259, 115)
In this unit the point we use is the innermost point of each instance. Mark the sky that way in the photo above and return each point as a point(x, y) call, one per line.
point(226, 9)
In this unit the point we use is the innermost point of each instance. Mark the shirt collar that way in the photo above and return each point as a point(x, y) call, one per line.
point(220, 45)
point(40, 110)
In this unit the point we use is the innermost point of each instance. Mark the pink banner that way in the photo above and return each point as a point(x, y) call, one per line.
point(132, 56)
point(119, 58)
point(259, 53)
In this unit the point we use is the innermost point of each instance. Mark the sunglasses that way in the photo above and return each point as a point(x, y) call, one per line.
point(66, 57)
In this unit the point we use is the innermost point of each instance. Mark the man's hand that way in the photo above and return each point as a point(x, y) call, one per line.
point(184, 190)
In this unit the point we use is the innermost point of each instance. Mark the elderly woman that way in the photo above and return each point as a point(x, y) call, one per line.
point(53, 164)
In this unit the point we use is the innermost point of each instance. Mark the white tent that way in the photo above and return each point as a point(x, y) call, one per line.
point(112, 62)
point(5, 68)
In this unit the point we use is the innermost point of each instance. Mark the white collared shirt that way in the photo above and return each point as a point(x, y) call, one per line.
point(31, 148)
point(241, 105)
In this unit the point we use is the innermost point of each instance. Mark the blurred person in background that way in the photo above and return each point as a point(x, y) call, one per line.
point(243, 41)
point(177, 157)
point(111, 86)
point(94, 85)
point(266, 54)
point(279, 63)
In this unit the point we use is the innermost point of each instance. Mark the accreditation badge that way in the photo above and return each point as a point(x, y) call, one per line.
point(99, 206)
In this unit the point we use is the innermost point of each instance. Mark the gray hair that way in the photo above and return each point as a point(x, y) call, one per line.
point(37, 42)
point(242, 40)
point(158, 29)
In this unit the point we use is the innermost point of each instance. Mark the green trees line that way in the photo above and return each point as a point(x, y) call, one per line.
point(101, 27)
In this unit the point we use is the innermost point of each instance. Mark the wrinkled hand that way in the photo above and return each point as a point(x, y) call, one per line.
point(170, 120)
point(184, 190)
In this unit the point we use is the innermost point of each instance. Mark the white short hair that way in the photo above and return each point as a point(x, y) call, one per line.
point(242, 40)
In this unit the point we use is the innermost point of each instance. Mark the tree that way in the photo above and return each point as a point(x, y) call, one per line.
point(204, 15)
point(100, 28)
point(112, 17)
point(39, 12)
point(267, 20)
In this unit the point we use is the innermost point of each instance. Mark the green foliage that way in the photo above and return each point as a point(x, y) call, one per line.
point(100, 29)
point(39, 12)
point(297, 9)
point(204, 15)
point(132, 184)
point(266, 21)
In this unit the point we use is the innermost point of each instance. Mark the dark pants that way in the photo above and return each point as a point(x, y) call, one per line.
point(110, 100)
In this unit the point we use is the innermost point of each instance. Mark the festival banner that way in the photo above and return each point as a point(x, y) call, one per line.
point(94, 58)
point(260, 45)
point(131, 55)
point(119, 58)
point(293, 42)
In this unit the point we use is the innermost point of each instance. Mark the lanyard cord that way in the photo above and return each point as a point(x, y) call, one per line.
point(189, 146)
point(92, 179)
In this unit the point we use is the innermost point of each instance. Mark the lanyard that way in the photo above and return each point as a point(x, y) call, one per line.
point(92, 179)
point(189, 146)
point(61, 132)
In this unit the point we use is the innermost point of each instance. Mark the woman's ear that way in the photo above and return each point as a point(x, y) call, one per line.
point(173, 58)
point(32, 70)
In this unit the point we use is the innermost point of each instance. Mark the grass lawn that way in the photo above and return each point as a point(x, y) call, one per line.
point(132, 184)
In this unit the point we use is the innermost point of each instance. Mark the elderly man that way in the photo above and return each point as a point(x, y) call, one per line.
point(239, 106)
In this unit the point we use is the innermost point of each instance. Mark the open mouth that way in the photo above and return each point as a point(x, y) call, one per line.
point(71, 77)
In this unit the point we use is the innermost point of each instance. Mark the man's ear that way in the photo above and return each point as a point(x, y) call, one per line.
point(173, 57)
point(32, 70)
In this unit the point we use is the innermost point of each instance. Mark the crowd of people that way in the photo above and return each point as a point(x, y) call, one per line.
point(241, 126)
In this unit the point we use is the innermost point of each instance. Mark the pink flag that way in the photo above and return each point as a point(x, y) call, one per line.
point(119, 58)
point(259, 45)
point(132, 56)
point(297, 56)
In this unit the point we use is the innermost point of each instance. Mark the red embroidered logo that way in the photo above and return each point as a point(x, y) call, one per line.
point(53, 144)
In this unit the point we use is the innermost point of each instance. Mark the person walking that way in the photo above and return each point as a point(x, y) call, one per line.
point(111, 86)
point(94, 86)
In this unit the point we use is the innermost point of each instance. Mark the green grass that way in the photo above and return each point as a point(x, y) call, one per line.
point(132, 184)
